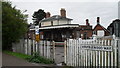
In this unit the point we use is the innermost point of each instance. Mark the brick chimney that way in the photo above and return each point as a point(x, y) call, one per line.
point(63, 12)
point(98, 20)
point(87, 22)
point(47, 14)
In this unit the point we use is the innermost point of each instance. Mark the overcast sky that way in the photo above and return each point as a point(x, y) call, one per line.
point(79, 11)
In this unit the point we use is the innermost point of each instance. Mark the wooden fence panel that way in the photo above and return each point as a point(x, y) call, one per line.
point(97, 52)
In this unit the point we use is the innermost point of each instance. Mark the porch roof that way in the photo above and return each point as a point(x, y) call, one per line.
point(60, 26)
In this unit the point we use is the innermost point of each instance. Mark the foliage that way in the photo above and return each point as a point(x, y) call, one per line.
point(38, 16)
point(19, 55)
point(14, 24)
point(39, 59)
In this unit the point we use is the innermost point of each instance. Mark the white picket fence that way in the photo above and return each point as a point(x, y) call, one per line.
point(95, 52)
point(28, 46)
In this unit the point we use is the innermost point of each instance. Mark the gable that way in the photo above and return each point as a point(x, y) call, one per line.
point(98, 27)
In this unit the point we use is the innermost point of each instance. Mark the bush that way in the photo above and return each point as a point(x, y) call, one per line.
point(39, 59)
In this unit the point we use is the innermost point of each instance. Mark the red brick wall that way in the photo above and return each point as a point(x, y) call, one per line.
point(89, 33)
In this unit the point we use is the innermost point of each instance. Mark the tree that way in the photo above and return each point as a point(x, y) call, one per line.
point(14, 25)
point(38, 16)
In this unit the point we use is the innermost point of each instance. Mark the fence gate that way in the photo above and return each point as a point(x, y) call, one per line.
point(58, 52)
point(97, 52)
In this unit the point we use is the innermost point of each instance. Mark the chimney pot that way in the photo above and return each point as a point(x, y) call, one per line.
point(98, 20)
point(63, 12)
point(87, 22)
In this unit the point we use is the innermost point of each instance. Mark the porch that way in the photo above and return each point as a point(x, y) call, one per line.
point(59, 33)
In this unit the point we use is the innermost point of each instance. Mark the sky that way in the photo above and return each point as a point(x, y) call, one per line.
point(78, 10)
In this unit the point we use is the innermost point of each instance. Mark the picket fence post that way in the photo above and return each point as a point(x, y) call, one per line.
point(53, 42)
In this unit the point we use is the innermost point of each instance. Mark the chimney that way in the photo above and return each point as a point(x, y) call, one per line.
point(87, 22)
point(63, 12)
point(47, 14)
point(98, 20)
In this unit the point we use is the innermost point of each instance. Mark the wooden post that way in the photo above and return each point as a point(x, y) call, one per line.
point(96, 55)
point(36, 46)
point(118, 52)
point(93, 55)
point(65, 51)
point(112, 55)
point(115, 51)
point(77, 58)
point(44, 48)
point(71, 50)
point(86, 54)
point(102, 54)
point(99, 64)
point(25, 46)
point(53, 50)
point(33, 46)
point(108, 53)
point(105, 55)
point(29, 47)
point(75, 53)
point(79, 54)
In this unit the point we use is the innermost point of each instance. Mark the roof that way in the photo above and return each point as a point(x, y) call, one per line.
point(85, 27)
point(101, 27)
point(55, 17)
point(31, 26)
point(59, 26)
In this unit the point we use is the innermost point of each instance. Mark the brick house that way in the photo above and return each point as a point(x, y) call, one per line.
point(58, 27)
point(99, 30)
point(86, 30)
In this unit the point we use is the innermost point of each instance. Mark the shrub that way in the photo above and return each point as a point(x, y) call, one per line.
point(39, 59)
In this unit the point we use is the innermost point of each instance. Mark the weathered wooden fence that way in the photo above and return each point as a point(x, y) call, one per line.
point(48, 49)
point(97, 52)
point(28, 46)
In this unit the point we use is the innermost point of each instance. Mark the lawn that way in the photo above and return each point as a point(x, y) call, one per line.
point(35, 58)
point(19, 55)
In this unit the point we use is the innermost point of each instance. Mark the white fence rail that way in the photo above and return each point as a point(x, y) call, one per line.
point(28, 46)
point(94, 52)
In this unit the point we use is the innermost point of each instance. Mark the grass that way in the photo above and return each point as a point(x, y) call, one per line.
point(19, 55)
point(35, 58)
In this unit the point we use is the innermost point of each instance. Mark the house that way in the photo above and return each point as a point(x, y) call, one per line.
point(58, 27)
point(114, 28)
point(86, 30)
point(31, 33)
point(99, 30)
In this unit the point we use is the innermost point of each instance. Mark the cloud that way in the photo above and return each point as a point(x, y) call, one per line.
point(65, 0)
point(78, 11)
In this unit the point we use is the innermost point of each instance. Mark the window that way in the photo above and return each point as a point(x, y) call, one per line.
point(100, 33)
point(85, 35)
point(94, 32)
